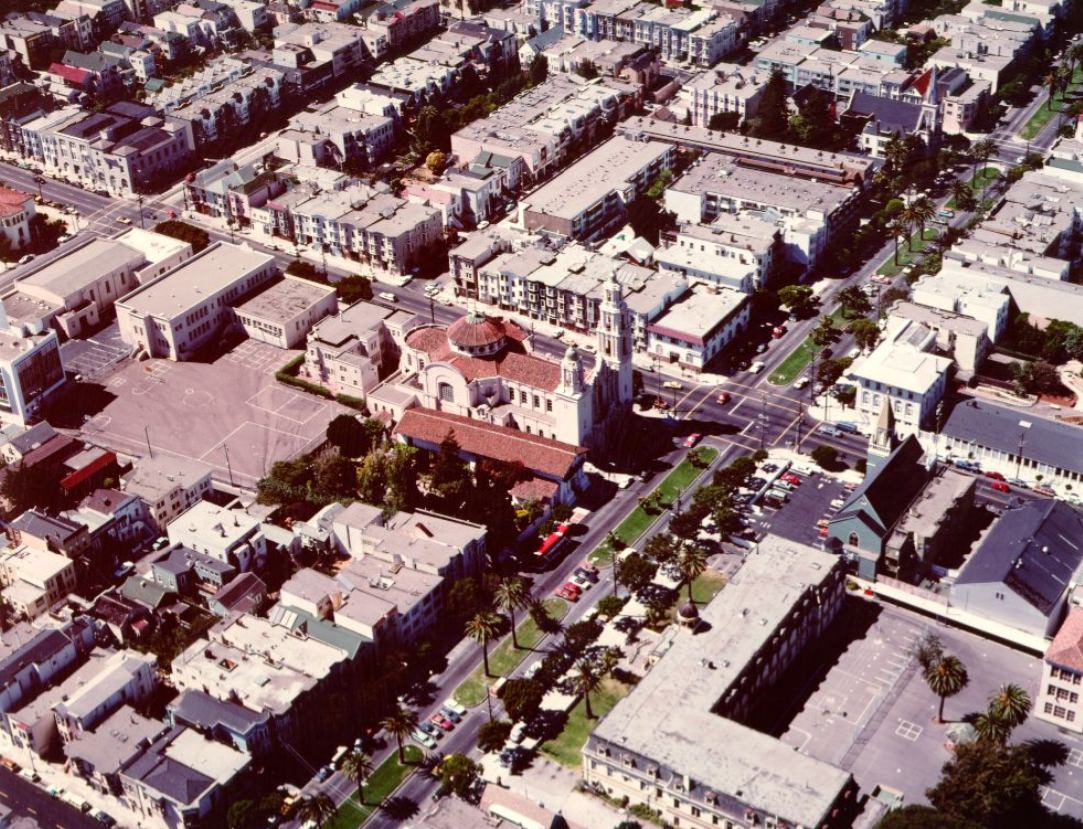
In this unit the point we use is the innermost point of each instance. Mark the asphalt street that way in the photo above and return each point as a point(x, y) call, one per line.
point(26, 799)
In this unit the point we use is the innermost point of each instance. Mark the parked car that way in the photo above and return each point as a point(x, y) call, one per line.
point(756, 367)
point(801, 382)
point(996, 476)
point(26, 260)
point(451, 713)
point(324, 773)
point(568, 591)
point(778, 331)
point(692, 440)
point(424, 739)
point(430, 729)
point(442, 721)
point(588, 566)
point(591, 576)
point(1001, 486)
point(792, 479)
point(581, 581)
point(724, 397)
point(672, 384)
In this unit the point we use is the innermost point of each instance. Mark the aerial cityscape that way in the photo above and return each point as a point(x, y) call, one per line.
point(556, 414)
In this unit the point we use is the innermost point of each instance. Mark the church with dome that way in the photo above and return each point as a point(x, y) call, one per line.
point(483, 368)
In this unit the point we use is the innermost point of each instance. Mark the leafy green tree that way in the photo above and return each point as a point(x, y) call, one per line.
point(991, 727)
point(636, 572)
point(996, 786)
point(459, 774)
point(724, 121)
point(928, 650)
point(946, 677)
point(539, 69)
point(610, 606)
point(963, 195)
point(773, 114)
point(401, 476)
point(897, 228)
point(825, 333)
point(662, 548)
point(825, 456)
point(829, 371)
point(493, 735)
point(482, 627)
point(866, 334)
point(400, 724)
point(27, 487)
point(347, 435)
point(814, 124)
point(587, 69)
point(797, 298)
point(334, 478)
point(354, 288)
point(522, 697)
point(450, 480)
point(431, 132)
point(854, 302)
point(922, 817)
point(981, 151)
point(512, 594)
point(436, 161)
point(919, 213)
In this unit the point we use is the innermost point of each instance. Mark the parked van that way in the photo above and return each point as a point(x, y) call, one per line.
point(75, 801)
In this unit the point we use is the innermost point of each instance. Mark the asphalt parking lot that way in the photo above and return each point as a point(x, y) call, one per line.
point(230, 414)
point(808, 503)
point(873, 715)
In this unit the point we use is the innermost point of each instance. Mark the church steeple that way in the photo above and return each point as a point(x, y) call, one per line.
point(614, 346)
point(883, 441)
point(571, 372)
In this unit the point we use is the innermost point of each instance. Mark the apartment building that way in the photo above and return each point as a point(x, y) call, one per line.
point(728, 88)
point(344, 137)
point(231, 536)
point(693, 759)
point(337, 46)
point(1057, 700)
point(34, 580)
point(736, 250)
point(590, 198)
point(247, 731)
point(418, 79)
point(125, 149)
point(904, 372)
point(31, 40)
point(100, 755)
point(217, 114)
point(167, 486)
point(16, 212)
point(965, 339)
point(123, 678)
point(692, 331)
point(179, 312)
point(348, 351)
point(284, 313)
point(31, 658)
point(397, 23)
point(538, 127)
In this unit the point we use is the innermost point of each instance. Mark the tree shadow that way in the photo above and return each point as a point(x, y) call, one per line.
point(399, 808)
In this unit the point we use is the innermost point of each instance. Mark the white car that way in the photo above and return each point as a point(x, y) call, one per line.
point(801, 382)
point(423, 738)
point(756, 367)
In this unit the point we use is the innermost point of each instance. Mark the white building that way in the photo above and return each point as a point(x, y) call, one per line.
point(231, 536)
point(692, 331)
point(736, 250)
point(167, 485)
point(283, 314)
point(126, 677)
point(902, 371)
point(34, 580)
point(30, 371)
point(347, 352)
point(189, 306)
point(1058, 697)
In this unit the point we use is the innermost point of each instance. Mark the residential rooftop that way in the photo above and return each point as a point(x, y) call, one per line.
point(285, 299)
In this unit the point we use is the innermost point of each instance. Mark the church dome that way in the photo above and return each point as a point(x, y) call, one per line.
point(477, 334)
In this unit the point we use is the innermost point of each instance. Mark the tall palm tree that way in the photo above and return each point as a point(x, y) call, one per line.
point(1010, 704)
point(318, 808)
point(897, 228)
point(963, 194)
point(400, 724)
point(692, 562)
point(512, 594)
point(946, 677)
point(922, 211)
point(896, 154)
point(356, 767)
point(481, 628)
point(981, 151)
point(586, 682)
point(991, 728)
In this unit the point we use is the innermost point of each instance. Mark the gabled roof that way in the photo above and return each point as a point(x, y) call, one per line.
point(888, 490)
point(145, 592)
point(891, 115)
point(1033, 550)
point(1066, 649)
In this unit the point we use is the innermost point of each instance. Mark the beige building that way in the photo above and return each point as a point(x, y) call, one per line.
point(34, 580)
point(16, 211)
point(1058, 697)
point(187, 307)
point(283, 314)
point(346, 352)
point(167, 485)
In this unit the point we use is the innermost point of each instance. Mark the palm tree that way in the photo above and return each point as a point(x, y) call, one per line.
point(946, 677)
point(1010, 704)
point(317, 808)
point(692, 562)
point(481, 628)
point(963, 194)
point(981, 151)
point(356, 767)
point(400, 724)
point(922, 211)
point(896, 154)
point(586, 682)
point(1075, 55)
point(513, 594)
point(897, 228)
point(991, 728)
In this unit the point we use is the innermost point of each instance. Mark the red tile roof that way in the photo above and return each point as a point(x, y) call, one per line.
point(513, 363)
point(12, 201)
point(1066, 649)
point(71, 74)
point(474, 332)
point(537, 489)
point(548, 457)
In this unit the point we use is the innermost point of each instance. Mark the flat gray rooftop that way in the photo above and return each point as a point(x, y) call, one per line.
point(80, 268)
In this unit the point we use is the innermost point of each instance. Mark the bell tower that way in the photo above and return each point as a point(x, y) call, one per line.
point(615, 343)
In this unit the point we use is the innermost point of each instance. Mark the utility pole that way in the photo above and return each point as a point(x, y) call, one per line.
point(432, 318)
point(225, 448)
point(763, 419)
point(146, 433)
point(140, 200)
point(1019, 457)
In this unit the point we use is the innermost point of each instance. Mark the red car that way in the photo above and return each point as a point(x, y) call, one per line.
point(724, 397)
point(778, 332)
point(569, 591)
point(790, 478)
point(1000, 486)
point(442, 721)
point(692, 439)
point(822, 532)
point(996, 476)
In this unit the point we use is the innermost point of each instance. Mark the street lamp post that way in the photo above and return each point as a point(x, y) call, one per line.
point(140, 200)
